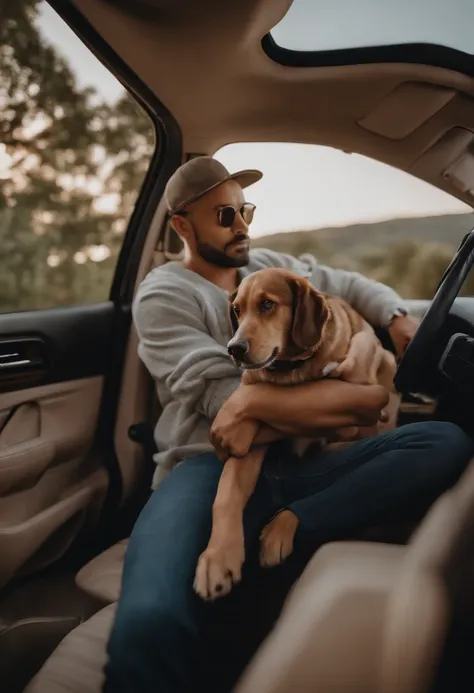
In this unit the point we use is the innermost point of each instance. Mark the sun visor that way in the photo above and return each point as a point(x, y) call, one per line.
point(460, 174)
point(405, 108)
point(449, 163)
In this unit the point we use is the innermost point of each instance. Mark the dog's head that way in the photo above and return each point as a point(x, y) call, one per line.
point(275, 314)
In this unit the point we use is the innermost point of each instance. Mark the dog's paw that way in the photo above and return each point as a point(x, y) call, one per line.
point(276, 539)
point(330, 369)
point(219, 569)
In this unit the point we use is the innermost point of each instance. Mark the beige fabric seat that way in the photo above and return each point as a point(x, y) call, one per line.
point(328, 636)
point(374, 622)
point(101, 577)
point(76, 666)
point(363, 616)
point(77, 663)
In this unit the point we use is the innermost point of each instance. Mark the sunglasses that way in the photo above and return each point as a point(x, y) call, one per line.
point(226, 215)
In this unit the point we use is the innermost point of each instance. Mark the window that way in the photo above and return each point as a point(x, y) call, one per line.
point(318, 25)
point(74, 151)
point(353, 213)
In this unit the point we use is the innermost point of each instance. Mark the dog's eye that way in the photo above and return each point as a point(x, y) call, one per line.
point(236, 310)
point(266, 305)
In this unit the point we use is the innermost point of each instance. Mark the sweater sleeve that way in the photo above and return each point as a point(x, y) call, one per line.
point(376, 302)
point(179, 353)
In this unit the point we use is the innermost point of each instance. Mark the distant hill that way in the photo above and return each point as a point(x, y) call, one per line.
point(448, 229)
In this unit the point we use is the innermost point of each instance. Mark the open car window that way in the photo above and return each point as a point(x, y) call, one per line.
point(74, 151)
point(353, 213)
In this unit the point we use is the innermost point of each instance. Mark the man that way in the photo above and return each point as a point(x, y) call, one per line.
point(181, 314)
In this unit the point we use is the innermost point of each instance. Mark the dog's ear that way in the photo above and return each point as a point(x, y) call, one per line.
point(310, 312)
point(233, 319)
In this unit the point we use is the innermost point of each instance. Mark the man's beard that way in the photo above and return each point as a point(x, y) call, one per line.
point(217, 257)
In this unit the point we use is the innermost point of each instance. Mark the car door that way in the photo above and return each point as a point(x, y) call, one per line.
point(82, 164)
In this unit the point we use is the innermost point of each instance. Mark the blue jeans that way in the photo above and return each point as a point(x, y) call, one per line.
point(165, 638)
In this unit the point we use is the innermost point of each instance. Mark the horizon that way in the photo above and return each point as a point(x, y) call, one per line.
point(373, 222)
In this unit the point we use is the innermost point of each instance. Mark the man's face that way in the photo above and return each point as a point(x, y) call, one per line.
point(218, 244)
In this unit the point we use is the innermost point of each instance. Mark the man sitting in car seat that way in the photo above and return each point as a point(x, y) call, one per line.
point(158, 642)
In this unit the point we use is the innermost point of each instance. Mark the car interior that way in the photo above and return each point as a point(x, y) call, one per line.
point(387, 611)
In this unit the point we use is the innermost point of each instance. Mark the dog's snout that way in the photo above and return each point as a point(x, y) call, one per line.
point(238, 349)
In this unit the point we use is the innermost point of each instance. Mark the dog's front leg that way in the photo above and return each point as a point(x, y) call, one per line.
point(220, 565)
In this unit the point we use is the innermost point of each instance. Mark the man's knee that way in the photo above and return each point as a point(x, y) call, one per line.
point(443, 435)
point(445, 450)
point(430, 434)
point(458, 446)
point(453, 435)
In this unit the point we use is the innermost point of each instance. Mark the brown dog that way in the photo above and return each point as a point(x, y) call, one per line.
point(285, 332)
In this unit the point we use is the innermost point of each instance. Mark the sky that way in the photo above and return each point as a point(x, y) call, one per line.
point(322, 25)
point(309, 186)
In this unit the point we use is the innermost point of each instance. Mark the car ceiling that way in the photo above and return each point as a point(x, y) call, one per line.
point(205, 61)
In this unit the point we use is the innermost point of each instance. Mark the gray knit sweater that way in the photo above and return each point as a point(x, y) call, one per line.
point(183, 328)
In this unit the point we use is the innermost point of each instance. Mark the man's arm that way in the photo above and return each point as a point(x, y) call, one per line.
point(309, 409)
point(177, 349)
point(376, 302)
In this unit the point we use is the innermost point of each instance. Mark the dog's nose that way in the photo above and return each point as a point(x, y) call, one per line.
point(238, 349)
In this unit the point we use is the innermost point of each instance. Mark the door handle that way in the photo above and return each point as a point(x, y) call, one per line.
point(21, 354)
point(13, 360)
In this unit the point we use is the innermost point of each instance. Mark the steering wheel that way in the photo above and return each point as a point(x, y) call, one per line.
point(413, 364)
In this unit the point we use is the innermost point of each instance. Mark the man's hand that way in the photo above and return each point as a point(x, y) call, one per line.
point(362, 360)
point(401, 330)
point(232, 432)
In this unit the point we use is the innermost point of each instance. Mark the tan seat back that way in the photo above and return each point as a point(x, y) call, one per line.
point(373, 622)
point(77, 664)
point(434, 586)
point(328, 636)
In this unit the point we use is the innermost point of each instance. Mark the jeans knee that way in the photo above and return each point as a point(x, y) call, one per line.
point(452, 439)
point(437, 436)
point(446, 454)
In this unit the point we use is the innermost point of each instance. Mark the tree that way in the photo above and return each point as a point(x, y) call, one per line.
point(66, 148)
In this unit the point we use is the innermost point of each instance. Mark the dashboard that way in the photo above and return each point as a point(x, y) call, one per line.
point(452, 391)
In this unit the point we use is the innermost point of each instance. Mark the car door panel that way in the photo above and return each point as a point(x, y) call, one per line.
point(63, 344)
point(53, 479)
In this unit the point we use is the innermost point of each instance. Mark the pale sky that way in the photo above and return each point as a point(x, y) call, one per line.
point(323, 25)
point(308, 186)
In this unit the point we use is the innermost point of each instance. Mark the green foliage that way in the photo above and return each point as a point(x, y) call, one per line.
point(412, 264)
point(67, 149)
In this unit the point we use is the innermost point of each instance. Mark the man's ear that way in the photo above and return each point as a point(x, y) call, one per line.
point(233, 319)
point(179, 224)
point(310, 312)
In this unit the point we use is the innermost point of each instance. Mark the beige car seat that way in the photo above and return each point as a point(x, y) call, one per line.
point(368, 617)
point(374, 622)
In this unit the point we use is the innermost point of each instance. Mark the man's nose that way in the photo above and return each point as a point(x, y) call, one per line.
point(238, 349)
point(240, 225)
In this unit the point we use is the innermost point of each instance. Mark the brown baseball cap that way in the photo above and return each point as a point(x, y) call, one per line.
point(199, 175)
